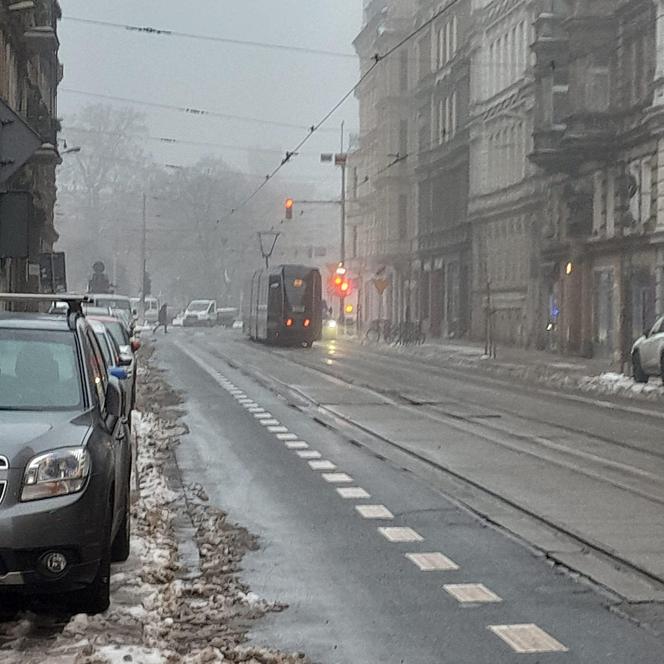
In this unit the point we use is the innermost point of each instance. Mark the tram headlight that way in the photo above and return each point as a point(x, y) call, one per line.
point(332, 323)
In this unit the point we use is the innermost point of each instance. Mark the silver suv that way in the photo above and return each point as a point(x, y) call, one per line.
point(648, 353)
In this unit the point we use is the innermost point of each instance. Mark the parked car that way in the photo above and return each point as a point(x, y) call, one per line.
point(65, 459)
point(117, 366)
point(226, 316)
point(127, 345)
point(201, 312)
point(648, 353)
point(120, 306)
point(151, 308)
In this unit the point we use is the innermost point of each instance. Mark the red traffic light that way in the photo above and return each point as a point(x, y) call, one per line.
point(289, 208)
point(340, 285)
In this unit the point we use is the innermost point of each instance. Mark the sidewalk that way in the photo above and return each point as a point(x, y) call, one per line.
point(577, 374)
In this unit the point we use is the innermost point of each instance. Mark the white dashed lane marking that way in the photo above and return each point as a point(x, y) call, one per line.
point(296, 445)
point(471, 593)
point(263, 416)
point(337, 478)
point(277, 429)
point(527, 638)
point(432, 562)
point(322, 465)
point(269, 423)
point(349, 492)
point(256, 409)
point(309, 454)
point(287, 436)
point(374, 512)
point(400, 534)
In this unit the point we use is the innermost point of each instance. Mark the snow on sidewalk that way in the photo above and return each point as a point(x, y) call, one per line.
point(566, 374)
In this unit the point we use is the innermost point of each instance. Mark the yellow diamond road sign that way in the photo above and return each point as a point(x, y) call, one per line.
point(381, 284)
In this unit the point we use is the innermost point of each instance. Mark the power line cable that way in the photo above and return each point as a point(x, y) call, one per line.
point(147, 30)
point(170, 141)
point(184, 109)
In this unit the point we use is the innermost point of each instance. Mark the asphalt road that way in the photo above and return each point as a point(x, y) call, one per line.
point(354, 595)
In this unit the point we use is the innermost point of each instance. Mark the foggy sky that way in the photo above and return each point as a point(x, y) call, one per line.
point(284, 86)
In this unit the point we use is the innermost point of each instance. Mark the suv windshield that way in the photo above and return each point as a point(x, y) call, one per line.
point(112, 303)
point(38, 371)
point(199, 306)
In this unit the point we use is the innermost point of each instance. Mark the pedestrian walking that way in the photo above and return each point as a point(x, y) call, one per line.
point(162, 319)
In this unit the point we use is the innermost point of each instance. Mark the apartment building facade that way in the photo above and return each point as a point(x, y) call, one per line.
point(441, 161)
point(504, 207)
point(598, 138)
point(533, 186)
point(29, 75)
point(381, 219)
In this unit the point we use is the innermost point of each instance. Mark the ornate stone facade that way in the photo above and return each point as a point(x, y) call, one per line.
point(29, 75)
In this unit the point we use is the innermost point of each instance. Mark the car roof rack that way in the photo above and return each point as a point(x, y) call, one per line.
point(74, 302)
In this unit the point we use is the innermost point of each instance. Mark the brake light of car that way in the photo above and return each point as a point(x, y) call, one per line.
point(307, 322)
point(289, 322)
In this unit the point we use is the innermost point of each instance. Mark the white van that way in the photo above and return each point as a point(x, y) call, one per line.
point(151, 308)
point(201, 312)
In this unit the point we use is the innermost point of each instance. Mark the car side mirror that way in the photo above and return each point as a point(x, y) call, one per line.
point(113, 403)
point(125, 360)
point(119, 372)
point(135, 345)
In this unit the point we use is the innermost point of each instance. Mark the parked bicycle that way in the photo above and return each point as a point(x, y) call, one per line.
point(398, 334)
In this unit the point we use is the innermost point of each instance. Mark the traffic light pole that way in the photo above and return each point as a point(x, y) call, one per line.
point(342, 300)
point(144, 258)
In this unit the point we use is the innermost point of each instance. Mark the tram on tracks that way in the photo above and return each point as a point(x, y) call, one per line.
point(286, 306)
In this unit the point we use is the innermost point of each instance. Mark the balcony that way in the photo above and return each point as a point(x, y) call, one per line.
point(590, 136)
point(547, 152)
point(41, 39)
point(584, 137)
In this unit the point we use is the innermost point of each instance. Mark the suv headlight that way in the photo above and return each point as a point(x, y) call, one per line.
point(56, 473)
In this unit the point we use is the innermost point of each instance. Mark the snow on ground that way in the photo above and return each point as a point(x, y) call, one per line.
point(566, 376)
point(161, 612)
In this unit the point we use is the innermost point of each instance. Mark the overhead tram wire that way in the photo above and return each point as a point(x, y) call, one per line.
point(147, 30)
point(166, 140)
point(377, 59)
point(189, 110)
point(160, 32)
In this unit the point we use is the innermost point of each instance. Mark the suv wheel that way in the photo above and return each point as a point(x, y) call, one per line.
point(640, 376)
point(121, 544)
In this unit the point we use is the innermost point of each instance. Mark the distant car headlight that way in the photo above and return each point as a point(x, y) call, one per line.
point(56, 473)
point(332, 323)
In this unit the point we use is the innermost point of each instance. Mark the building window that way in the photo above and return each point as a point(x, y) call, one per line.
point(403, 216)
point(448, 41)
point(441, 121)
point(403, 138)
point(441, 47)
point(448, 112)
point(403, 71)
